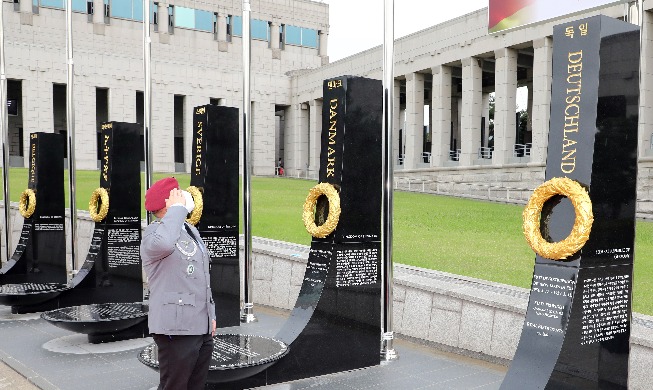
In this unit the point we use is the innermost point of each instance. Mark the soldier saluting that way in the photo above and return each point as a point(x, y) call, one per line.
point(181, 309)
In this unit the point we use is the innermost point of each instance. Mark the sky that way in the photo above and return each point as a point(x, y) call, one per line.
point(357, 25)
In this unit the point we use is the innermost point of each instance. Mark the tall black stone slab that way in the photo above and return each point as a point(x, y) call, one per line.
point(577, 328)
point(335, 325)
point(111, 272)
point(40, 255)
point(215, 173)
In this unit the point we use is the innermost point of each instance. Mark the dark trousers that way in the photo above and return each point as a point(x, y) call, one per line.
point(183, 361)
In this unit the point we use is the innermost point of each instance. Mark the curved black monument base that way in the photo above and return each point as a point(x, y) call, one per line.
point(235, 357)
point(29, 293)
point(104, 322)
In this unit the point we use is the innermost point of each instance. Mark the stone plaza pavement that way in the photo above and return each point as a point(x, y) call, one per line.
point(38, 355)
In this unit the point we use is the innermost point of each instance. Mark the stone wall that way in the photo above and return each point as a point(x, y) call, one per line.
point(454, 313)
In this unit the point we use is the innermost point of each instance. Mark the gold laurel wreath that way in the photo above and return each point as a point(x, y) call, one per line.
point(582, 225)
point(102, 195)
point(334, 210)
point(27, 203)
point(195, 216)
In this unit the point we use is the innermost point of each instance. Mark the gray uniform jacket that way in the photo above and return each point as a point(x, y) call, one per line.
point(178, 275)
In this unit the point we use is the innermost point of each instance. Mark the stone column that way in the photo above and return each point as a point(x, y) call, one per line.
point(396, 122)
point(38, 114)
point(505, 105)
point(85, 130)
point(26, 14)
point(323, 38)
point(470, 117)
point(414, 119)
point(122, 104)
point(98, 17)
point(98, 11)
point(163, 142)
point(222, 32)
point(645, 136)
point(263, 134)
point(274, 35)
point(315, 132)
point(441, 107)
point(296, 139)
point(162, 19)
point(543, 52)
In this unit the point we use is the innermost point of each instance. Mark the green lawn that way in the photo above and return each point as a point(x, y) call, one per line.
point(466, 237)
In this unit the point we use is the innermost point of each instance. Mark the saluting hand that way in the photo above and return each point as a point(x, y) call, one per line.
point(176, 196)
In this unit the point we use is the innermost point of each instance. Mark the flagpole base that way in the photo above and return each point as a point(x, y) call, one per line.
point(388, 353)
point(247, 314)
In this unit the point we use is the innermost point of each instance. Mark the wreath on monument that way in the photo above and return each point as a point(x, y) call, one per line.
point(582, 225)
point(27, 203)
point(98, 206)
point(196, 214)
point(309, 213)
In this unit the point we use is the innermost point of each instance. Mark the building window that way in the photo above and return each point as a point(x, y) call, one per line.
point(195, 19)
point(78, 5)
point(301, 36)
point(260, 30)
point(309, 37)
point(293, 35)
point(127, 9)
point(235, 25)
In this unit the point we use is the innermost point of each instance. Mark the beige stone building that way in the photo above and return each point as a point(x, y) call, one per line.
point(445, 78)
point(196, 59)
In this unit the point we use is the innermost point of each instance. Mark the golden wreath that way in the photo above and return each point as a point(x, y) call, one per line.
point(27, 203)
point(582, 225)
point(195, 216)
point(309, 210)
point(98, 214)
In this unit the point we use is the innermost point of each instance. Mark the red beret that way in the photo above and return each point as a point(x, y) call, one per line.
point(155, 196)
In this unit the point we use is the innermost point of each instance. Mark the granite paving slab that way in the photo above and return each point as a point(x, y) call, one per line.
point(37, 355)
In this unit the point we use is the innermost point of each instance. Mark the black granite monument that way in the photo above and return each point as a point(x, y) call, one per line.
point(215, 173)
point(37, 269)
point(577, 327)
point(336, 324)
point(102, 295)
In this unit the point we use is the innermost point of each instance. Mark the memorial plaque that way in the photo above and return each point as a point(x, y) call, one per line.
point(234, 356)
point(40, 255)
point(102, 322)
point(577, 328)
point(215, 173)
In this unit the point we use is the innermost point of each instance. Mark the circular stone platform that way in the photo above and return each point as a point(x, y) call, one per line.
point(234, 356)
point(98, 318)
point(29, 293)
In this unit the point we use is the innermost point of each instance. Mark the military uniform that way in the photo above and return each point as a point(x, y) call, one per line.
point(181, 308)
